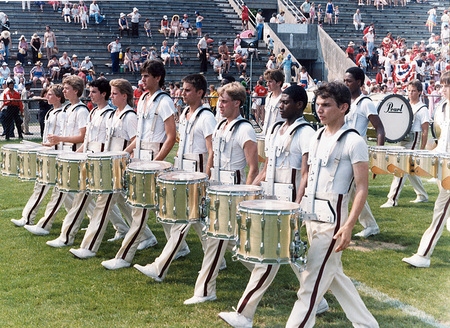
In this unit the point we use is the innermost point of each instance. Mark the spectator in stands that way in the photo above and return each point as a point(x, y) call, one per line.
point(319, 13)
point(244, 16)
point(273, 19)
point(198, 23)
point(445, 18)
point(49, 41)
point(5, 72)
point(66, 13)
point(94, 12)
point(26, 4)
point(240, 60)
point(35, 44)
point(370, 41)
point(218, 66)
point(357, 20)
point(260, 24)
point(123, 25)
point(5, 37)
point(350, 51)
point(286, 66)
point(185, 27)
point(175, 26)
point(329, 10)
point(18, 71)
point(213, 98)
point(128, 60)
point(22, 49)
point(223, 50)
point(280, 57)
point(202, 47)
point(305, 8)
point(65, 63)
point(280, 18)
point(75, 12)
point(165, 52)
point(134, 16)
point(271, 63)
point(84, 18)
point(75, 64)
point(175, 54)
point(87, 63)
point(54, 68)
point(336, 14)
point(138, 92)
point(147, 28)
point(303, 78)
point(165, 29)
point(114, 48)
point(37, 73)
point(431, 21)
point(237, 42)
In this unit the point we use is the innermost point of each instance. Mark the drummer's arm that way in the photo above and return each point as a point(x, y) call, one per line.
point(261, 175)
point(209, 148)
point(379, 128)
point(171, 135)
point(131, 146)
point(54, 139)
point(304, 179)
point(251, 156)
point(424, 135)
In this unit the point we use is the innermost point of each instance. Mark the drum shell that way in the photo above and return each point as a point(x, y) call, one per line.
point(426, 164)
point(266, 230)
point(27, 163)
point(46, 166)
point(260, 142)
point(105, 171)
point(180, 195)
point(445, 173)
point(71, 172)
point(400, 162)
point(10, 163)
point(223, 200)
point(141, 182)
point(378, 159)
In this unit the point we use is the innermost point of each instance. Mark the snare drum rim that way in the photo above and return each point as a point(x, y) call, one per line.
point(258, 206)
point(163, 178)
point(235, 189)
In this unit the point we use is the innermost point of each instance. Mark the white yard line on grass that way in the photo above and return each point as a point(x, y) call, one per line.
point(408, 309)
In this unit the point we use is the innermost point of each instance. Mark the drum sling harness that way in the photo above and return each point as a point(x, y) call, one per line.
point(76, 107)
point(94, 146)
point(56, 112)
point(110, 129)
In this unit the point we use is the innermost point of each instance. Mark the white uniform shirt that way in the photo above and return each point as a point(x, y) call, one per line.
point(77, 117)
point(442, 119)
point(421, 116)
point(53, 123)
point(358, 117)
point(272, 111)
point(125, 128)
point(96, 128)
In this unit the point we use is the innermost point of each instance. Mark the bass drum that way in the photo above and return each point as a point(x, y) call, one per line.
point(396, 115)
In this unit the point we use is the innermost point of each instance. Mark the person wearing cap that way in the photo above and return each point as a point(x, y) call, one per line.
point(49, 41)
point(94, 12)
point(87, 63)
point(202, 47)
point(175, 26)
point(5, 37)
point(35, 44)
point(12, 110)
point(369, 37)
point(185, 26)
point(147, 28)
point(22, 49)
point(5, 72)
point(350, 51)
point(123, 25)
point(357, 20)
point(165, 29)
point(18, 71)
point(198, 24)
point(134, 17)
point(75, 64)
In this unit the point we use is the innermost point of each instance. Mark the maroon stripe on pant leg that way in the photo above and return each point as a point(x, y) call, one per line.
point(169, 260)
point(397, 190)
point(213, 266)
point(36, 203)
point(254, 290)
point(133, 239)
point(80, 209)
point(103, 221)
point(312, 301)
point(438, 226)
point(54, 210)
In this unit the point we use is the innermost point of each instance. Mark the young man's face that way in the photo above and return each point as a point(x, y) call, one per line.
point(413, 93)
point(190, 95)
point(150, 82)
point(118, 99)
point(288, 108)
point(272, 85)
point(328, 110)
point(351, 83)
point(227, 106)
point(69, 92)
point(95, 95)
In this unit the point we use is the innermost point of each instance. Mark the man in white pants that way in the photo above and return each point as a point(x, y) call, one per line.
point(417, 139)
point(195, 153)
point(284, 177)
point(363, 111)
point(234, 146)
point(337, 156)
point(441, 207)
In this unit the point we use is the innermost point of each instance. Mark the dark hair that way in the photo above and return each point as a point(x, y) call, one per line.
point(103, 86)
point(275, 74)
point(357, 73)
point(156, 69)
point(417, 84)
point(297, 93)
point(198, 81)
point(335, 90)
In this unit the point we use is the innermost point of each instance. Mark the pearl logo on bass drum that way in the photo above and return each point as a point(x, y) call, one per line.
point(396, 115)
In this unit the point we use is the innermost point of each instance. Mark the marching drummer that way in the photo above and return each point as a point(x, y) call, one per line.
point(363, 111)
point(234, 147)
point(155, 137)
point(54, 123)
point(274, 81)
point(194, 153)
point(421, 259)
point(337, 156)
point(284, 176)
point(119, 129)
point(94, 141)
point(417, 139)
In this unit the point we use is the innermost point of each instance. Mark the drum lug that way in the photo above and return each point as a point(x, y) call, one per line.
point(279, 235)
point(163, 207)
point(263, 227)
point(205, 207)
point(187, 202)
point(174, 209)
point(248, 224)
point(238, 235)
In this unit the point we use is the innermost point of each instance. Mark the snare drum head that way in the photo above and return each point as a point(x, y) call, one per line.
point(17, 147)
point(396, 115)
point(51, 152)
point(32, 149)
point(76, 157)
point(272, 205)
point(182, 176)
point(234, 189)
point(385, 148)
point(108, 154)
point(149, 166)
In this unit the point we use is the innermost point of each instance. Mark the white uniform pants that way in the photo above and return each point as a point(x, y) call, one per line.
point(34, 202)
point(397, 186)
point(56, 200)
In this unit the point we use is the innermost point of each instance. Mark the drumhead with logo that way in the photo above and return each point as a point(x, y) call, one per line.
point(396, 115)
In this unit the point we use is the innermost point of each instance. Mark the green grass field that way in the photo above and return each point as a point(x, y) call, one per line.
point(45, 287)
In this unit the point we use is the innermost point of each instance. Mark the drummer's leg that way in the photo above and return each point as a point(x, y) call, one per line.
point(30, 210)
point(420, 191)
point(394, 192)
point(57, 199)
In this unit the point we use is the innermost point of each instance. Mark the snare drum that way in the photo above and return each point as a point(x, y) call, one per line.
point(400, 162)
point(221, 204)
point(180, 195)
point(260, 142)
point(71, 172)
point(105, 171)
point(10, 163)
point(266, 230)
point(46, 166)
point(378, 159)
point(426, 163)
point(141, 182)
point(27, 162)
